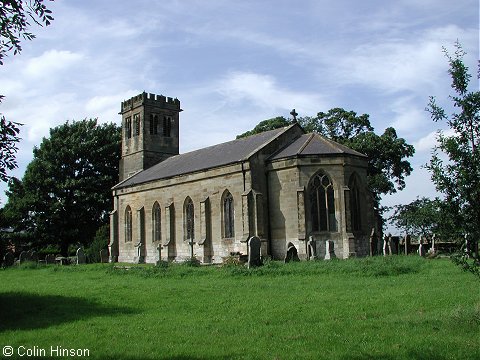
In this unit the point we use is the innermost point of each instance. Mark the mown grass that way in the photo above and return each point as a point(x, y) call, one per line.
point(373, 308)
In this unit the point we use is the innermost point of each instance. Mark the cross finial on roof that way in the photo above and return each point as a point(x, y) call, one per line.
point(294, 114)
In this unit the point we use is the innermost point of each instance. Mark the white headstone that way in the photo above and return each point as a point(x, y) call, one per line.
point(329, 250)
point(81, 256)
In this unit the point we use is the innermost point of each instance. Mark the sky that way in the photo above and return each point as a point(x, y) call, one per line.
point(233, 64)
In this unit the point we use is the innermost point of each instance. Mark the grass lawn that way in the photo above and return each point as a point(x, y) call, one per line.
point(374, 308)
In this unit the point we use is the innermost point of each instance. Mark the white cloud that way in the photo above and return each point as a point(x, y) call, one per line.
point(264, 92)
point(429, 141)
point(413, 63)
point(51, 62)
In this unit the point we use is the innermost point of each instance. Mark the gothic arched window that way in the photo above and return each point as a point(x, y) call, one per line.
point(322, 203)
point(228, 215)
point(156, 222)
point(128, 224)
point(355, 213)
point(189, 220)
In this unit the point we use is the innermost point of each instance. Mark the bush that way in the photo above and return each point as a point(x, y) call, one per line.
point(192, 261)
point(100, 242)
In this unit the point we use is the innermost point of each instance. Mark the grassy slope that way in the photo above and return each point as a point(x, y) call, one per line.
point(332, 310)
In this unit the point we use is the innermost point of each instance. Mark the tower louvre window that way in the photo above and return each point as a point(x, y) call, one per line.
point(136, 120)
point(153, 124)
point(128, 127)
point(167, 126)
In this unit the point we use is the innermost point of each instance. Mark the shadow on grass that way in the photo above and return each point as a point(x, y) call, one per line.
point(24, 311)
point(410, 354)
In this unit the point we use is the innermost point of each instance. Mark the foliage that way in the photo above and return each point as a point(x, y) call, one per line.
point(8, 145)
point(65, 193)
point(206, 313)
point(100, 242)
point(420, 217)
point(387, 153)
point(266, 125)
point(458, 177)
point(15, 17)
point(192, 262)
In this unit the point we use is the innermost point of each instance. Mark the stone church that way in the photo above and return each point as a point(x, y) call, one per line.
point(294, 191)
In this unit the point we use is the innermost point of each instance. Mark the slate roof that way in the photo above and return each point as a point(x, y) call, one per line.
point(313, 144)
point(207, 158)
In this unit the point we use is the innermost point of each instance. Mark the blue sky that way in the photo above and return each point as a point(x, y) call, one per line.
point(235, 63)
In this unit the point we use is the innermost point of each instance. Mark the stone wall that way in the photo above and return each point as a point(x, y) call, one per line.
point(289, 206)
point(206, 190)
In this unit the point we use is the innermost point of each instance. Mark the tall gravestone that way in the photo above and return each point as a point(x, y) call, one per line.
point(408, 240)
point(373, 242)
point(387, 247)
point(8, 259)
point(104, 256)
point(50, 259)
point(254, 246)
point(311, 249)
point(421, 250)
point(23, 257)
point(81, 256)
point(33, 255)
point(329, 250)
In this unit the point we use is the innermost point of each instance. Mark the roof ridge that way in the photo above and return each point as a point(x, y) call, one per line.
point(305, 144)
point(285, 129)
point(339, 146)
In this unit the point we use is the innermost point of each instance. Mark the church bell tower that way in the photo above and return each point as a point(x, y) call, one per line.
point(150, 132)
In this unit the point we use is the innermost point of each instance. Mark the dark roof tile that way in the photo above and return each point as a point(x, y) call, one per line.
point(207, 158)
point(313, 144)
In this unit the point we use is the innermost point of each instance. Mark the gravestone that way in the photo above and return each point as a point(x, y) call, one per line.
point(311, 249)
point(254, 245)
point(394, 243)
point(330, 250)
point(8, 259)
point(292, 253)
point(467, 246)
point(23, 257)
point(408, 240)
point(104, 256)
point(386, 246)
point(431, 251)
point(373, 242)
point(50, 259)
point(421, 251)
point(140, 258)
point(159, 249)
point(81, 256)
point(33, 255)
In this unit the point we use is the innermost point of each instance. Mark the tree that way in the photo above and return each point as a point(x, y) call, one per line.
point(421, 217)
point(65, 193)
point(266, 125)
point(455, 163)
point(8, 145)
point(15, 19)
point(387, 153)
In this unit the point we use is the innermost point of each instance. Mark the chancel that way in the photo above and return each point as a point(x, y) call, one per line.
point(295, 192)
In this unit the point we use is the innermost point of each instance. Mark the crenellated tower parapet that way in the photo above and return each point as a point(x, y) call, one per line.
point(150, 131)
